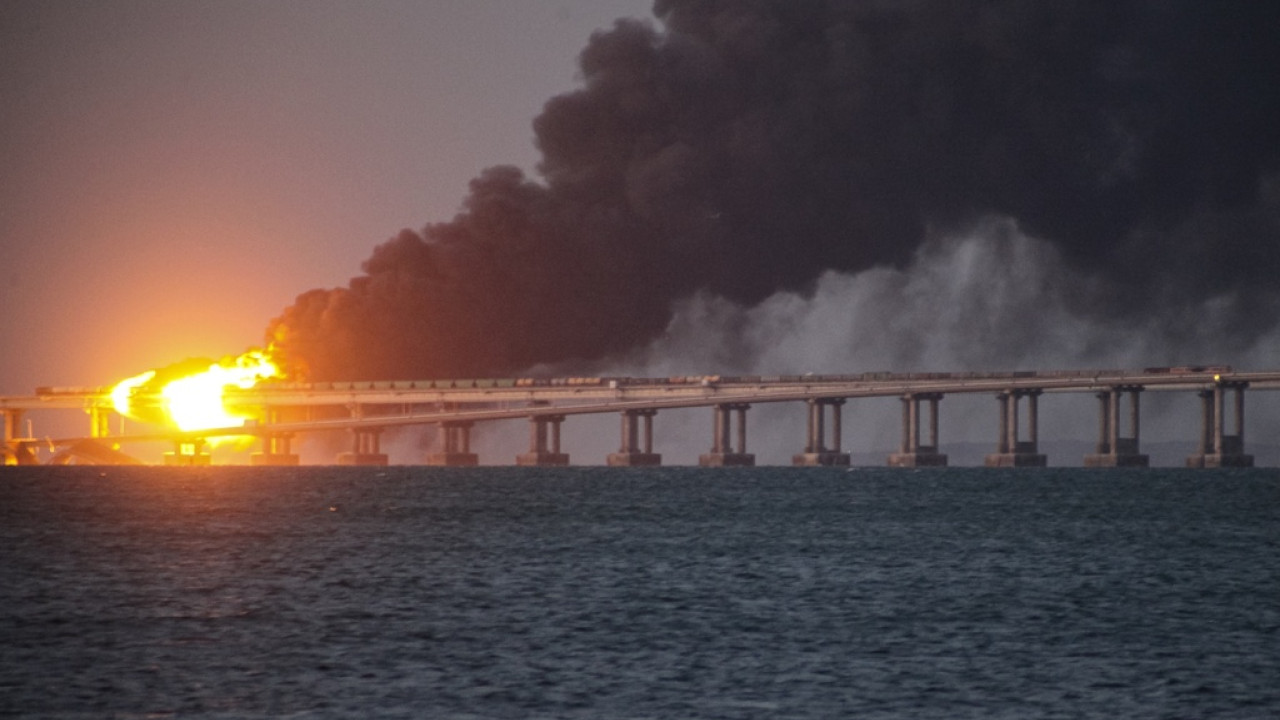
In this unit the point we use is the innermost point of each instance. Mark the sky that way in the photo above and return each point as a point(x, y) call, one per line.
point(176, 173)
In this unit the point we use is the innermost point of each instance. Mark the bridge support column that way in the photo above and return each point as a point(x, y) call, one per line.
point(1218, 449)
point(99, 422)
point(12, 420)
point(816, 450)
point(366, 449)
point(15, 451)
point(276, 451)
point(1114, 450)
point(723, 453)
point(276, 447)
point(1010, 450)
point(456, 446)
point(544, 442)
point(636, 448)
point(188, 453)
point(913, 453)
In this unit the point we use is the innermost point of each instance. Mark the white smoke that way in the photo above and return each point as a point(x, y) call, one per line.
point(990, 298)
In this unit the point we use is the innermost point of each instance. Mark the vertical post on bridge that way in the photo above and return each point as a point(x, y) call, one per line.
point(1010, 451)
point(365, 442)
point(366, 448)
point(1114, 421)
point(1135, 416)
point(1002, 445)
point(817, 452)
point(276, 450)
point(12, 419)
point(912, 452)
point(1105, 439)
point(1011, 429)
point(188, 452)
point(636, 448)
point(1114, 449)
point(723, 453)
point(544, 443)
point(741, 410)
point(99, 422)
point(15, 453)
point(1239, 388)
point(629, 434)
point(911, 423)
point(819, 441)
point(456, 441)
point(934, 399)
point(1217, 448)
point(537, 434)
point(1206, 421)
point(1219, 405)
point(1032, 444)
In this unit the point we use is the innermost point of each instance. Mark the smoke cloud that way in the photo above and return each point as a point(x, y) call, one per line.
point(742, 153)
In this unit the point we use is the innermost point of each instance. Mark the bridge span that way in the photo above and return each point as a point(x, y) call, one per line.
point(367, 409)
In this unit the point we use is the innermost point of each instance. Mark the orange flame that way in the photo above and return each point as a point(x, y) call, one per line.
point(194, 400)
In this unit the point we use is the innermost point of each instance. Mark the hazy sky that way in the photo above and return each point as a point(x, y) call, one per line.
point(174, 174)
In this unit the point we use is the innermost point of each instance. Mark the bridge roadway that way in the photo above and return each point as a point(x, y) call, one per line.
point(455, 405)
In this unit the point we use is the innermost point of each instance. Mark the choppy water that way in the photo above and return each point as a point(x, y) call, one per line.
point(621, 593)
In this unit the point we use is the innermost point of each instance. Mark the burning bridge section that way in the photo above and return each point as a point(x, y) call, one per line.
point(249, 407)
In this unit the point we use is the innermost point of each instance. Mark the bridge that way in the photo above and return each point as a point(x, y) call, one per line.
point(367, 409)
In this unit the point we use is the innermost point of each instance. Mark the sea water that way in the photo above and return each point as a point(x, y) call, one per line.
point(638, 593)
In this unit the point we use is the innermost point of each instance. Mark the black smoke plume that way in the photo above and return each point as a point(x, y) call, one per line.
point(741, 147)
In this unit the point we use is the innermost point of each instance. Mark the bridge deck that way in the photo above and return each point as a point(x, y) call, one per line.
point(423, 402)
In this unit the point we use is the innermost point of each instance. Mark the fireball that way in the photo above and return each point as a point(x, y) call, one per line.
point(190, 395)
point(122, 393)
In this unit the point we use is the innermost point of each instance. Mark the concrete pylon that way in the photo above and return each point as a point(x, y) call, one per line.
point(1011, 451)
point(1115, 450)
point(276, 451)
point(12, 418)
point(1217, 448)
point(276, 447)
point(366, 448)
point(636, 448)
point(99, 421)
point(544, 443)
point(16, 452)
point(188, 453)
point(723, 452)
point(912, 452)
point(817, 451)
point(456, 442)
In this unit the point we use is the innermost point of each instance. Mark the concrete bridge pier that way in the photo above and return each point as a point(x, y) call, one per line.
point(637, 447)
point(723, 453)
point(913, 453)
point(544, 443)
point(276, 447)
point(99, 422)
point(15, 452)
point(1217, 449)
point(188, 453)
point(1113, 449)
point(276, 451)
point(1010, 450)
point(456, 439)
point(366, 448)
point(816, 451)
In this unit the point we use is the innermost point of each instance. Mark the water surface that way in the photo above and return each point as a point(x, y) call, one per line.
point(639, 593)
